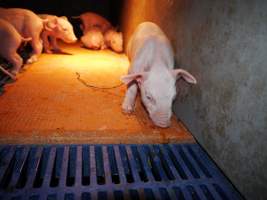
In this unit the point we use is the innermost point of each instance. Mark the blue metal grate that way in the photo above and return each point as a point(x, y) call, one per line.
point(84, 172)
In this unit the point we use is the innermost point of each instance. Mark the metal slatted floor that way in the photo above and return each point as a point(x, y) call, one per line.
point(84, 172)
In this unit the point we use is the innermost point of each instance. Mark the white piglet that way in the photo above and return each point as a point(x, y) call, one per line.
point(11, 41)
point(56, 28)
point(152, 70)
point(93, 39)
point(28, 25)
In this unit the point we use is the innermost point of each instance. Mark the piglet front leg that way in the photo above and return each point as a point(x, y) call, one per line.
point(37, 50)
point(129, 99)
point(46, 43)
point(55, 46)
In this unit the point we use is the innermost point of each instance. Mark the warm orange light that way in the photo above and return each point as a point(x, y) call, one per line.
point(99, 68)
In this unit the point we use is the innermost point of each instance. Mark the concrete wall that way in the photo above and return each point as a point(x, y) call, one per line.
point(223, 43)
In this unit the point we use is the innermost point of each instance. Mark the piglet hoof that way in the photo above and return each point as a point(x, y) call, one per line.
point(59, 51)
point(127, 108)
point(48, 51)
point(32, 60)
point(13, 75)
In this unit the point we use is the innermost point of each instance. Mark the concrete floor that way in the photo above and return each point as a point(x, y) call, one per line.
point(48, 104)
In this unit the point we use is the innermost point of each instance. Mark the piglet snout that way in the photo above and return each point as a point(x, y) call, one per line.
point(161, 119)
point(70, 40)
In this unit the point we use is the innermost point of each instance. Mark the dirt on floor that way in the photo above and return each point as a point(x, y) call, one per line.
point(58, 100)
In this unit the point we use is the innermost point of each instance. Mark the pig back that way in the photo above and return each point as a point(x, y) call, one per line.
point(47, 16)
point(149, 45)
point(90, 20)
point(12, 37)
point(25, 21)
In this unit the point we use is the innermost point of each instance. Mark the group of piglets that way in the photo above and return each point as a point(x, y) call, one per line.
point(19, 26)
point(149, 50)
point(98, 33)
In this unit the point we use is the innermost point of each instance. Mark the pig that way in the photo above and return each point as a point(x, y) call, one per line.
point(28, 25)
point(9, 46)
point(113, 40)
point(90, 20)
point(56, 28)
point(152, 71)
point(93, 39)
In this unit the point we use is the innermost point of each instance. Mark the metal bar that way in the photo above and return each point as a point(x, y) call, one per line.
point(170, 163)
point(19, 160)
point(107, 166)
point(134, 166)
point(210, 192)
point(7, 154)
point(113, 167)
point(193, 161)
point(64, 168)
point(181, 162)
point(34, 166)
point(92, 166)
point(120, 165)
point(145, 164)
point(78, 173)
point(86, 165)
point(49, 167)
point(127, 172)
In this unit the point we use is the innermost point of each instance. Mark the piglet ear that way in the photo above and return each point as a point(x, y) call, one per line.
point(64, 17)
point(139, 77)
point(178, 73)
point(49, 26)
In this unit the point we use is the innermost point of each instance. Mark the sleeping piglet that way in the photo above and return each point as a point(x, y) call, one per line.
point(56, 28)
point(93, 39)
point(114, 40)
point(90, 20)
point(152, 70)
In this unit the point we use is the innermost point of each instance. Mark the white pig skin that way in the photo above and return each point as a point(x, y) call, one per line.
point(93, 39)
point(56, 28)
point(114, 40)
point(91, 20)
point(152, 70)
point(28, 25)
point(10, 44)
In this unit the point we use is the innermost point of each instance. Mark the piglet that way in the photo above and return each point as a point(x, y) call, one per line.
point(113, 40)
point(91, 20)
point(9, 45)
point(152, 70)
point(56, 28)
point(93, 39)
point(28, 25)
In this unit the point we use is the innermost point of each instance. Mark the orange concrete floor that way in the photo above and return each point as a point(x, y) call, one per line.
point(48, 104)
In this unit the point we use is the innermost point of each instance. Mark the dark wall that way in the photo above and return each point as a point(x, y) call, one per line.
point(223, 44)
point(61, 7)
point(110, 9)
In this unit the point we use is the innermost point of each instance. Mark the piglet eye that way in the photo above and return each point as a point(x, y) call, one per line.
point(149, 97)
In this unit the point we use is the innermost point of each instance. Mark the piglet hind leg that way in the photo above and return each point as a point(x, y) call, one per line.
point(46, 44)
point(16, 61)
point(129, 99)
